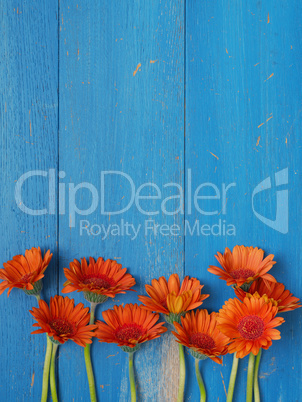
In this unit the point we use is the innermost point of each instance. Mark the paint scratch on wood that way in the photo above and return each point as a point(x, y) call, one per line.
point(213, 154)
point(263, 375)
point(29, 124)
point(225, 391)
point(169, 376)
point(32, 380)
point(258, 140)
point(265, 121)
point(111, 355)
point(269, 77)
point(268, 20)
point(153, 61)
point(136, 70)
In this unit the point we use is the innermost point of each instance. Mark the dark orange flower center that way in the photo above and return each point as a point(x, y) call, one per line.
point(202, 341)
point(26, 278)
point(129, 331)
point(242, 273)
point(251, 327)
point(163, 302)
point(61, 326)
point(100, 281)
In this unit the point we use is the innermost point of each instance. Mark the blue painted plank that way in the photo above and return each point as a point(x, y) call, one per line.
point(121, 109)
point(243, 112)
point(28, 121)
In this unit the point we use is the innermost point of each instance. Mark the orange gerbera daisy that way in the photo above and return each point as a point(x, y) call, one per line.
point(243, 265)
point(249, 324)
point(63, 321)
point(171, 298)
point(272, 292)
point(25, 272)
point(98, 280)
point(198, 331)
point(129, 326)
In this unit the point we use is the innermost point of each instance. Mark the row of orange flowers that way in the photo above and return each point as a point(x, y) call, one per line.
point(244, 325)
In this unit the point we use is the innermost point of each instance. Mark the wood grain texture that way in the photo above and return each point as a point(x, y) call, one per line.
point(28, 121)
point(240, 71)
point(121, 109)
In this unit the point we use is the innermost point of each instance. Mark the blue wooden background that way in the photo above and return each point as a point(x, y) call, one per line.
point(160, 90)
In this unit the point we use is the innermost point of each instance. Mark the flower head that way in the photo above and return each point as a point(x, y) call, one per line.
point(62, 320)
point(198, 331)
point(129, 326)
point(98, 280)
point(25, 272)
point(172, 298)
point(271, 292)
point(243, 265)
point(249, 324)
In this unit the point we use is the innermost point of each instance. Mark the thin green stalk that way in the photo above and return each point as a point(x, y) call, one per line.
point(182, 374)
point(200, 382)
point(232, 378)
point(131, 377)
point(38, 297)
point(53, 387)
point(256, 383)
point(87, 356)
point(250, 378)
point(46, 370)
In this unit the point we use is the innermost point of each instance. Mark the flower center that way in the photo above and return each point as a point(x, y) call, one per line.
point(251, 327)
point(26, 278)
point(100, 281)
point(242, 273)
point(202, 341)
point(129, 331)
point(61, 326)
point(163, 302)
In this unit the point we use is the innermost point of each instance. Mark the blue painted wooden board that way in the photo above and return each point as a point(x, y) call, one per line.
point(90, 87)
point(29, 133)
point(242, 70)
point(121, 109)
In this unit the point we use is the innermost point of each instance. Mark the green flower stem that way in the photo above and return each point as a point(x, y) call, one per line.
point(250, 378)
point(232, 378)
point(182, 374)
point(87, 356)
point(46, 370)
point(131, 377)
point(256, 383)
point(200, 382)
point(38, 297)
point(53, 387)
